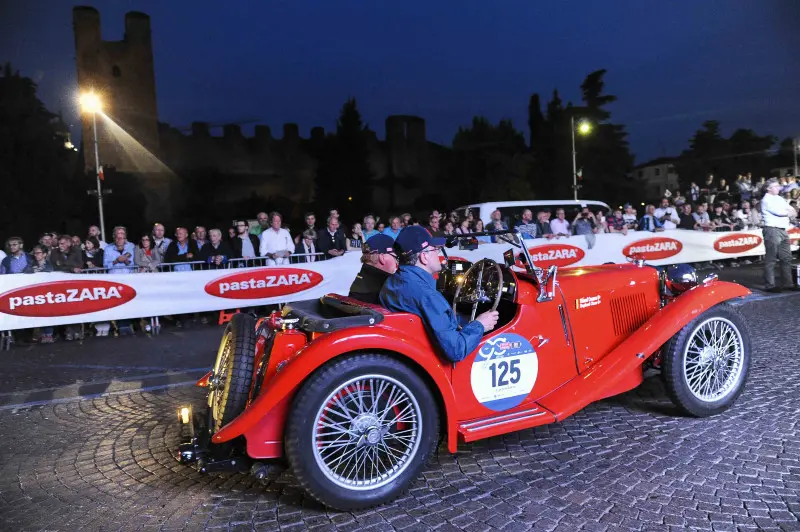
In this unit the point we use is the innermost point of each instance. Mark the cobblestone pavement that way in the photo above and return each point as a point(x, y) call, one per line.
point(629, 462)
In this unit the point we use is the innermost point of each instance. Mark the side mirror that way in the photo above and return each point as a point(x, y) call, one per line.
point(547, 285)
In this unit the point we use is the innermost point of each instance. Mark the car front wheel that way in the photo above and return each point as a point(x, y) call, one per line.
point(706, 364)
point(360, 430)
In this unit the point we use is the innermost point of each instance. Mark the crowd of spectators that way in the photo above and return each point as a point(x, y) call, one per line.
point(716, 206)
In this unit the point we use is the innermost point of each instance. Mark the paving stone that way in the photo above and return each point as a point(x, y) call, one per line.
point(627, 462)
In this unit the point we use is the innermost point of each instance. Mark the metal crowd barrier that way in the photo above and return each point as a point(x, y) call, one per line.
point(254, 262)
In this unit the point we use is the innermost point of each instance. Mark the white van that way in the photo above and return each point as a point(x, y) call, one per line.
point(511, 211)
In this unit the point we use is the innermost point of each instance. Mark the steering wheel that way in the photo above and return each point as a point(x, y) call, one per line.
point(482, 282)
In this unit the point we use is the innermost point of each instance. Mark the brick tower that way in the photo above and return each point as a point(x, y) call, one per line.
point(122, 74)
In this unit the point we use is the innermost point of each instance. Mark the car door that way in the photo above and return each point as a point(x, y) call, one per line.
point(522, 361)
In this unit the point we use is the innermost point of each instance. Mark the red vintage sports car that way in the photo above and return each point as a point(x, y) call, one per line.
point(356, 397)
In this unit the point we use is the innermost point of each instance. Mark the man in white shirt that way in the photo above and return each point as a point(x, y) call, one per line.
point(276, 243)
point(777, 212)
point(559, 225)
point(668, 215)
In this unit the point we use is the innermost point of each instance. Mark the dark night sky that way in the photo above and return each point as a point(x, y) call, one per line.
point(672, 64)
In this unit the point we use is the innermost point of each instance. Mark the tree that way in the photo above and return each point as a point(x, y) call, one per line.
point(37, 170)
point(711, 153)
point(491, 162)
point(604, 154)
point(344, 170)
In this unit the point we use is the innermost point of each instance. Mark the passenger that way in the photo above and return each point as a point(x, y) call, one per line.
point(413, 289)
point(378, 262)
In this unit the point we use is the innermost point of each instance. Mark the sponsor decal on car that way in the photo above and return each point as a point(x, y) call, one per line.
point(263, 283)
point(65, 298)
point(653, 248)
point(588, 301)
point(737, 243)
point(556, 254)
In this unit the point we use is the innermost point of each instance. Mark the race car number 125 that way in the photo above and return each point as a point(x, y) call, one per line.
point(504, 371)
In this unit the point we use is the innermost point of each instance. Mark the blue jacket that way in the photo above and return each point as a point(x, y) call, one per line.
point(413, 290)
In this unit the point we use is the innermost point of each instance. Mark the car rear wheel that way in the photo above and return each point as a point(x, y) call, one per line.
point(360, 430)
point(233, 372)
point(706, 364)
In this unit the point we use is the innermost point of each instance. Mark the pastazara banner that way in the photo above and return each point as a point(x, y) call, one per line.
point(45, 299)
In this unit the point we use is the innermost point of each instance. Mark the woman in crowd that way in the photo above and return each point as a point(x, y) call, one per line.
point(146, 257)
point(40, 264)
point(356, 239)
point(92, 254)
point(463, 227)
point(479, 229)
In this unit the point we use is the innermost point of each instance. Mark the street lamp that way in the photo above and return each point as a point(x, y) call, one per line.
point(584, 128)
point(90, 103)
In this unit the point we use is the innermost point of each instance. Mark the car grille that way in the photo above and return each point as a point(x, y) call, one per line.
point(628, 313)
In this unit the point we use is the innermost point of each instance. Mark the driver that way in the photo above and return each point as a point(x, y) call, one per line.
point(378, 262)
point(413, 289)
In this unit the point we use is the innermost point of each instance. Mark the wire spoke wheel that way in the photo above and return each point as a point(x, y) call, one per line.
point(220, 380)
point(367, 432)
point(713, 359)
point(706, 363)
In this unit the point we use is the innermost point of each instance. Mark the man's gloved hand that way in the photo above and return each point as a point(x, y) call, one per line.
point(488, 320)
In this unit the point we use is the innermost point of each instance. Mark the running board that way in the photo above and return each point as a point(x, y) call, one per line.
point(504, 423)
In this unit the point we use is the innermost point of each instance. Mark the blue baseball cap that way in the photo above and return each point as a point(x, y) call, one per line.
point(415, 238)
point(379, 243)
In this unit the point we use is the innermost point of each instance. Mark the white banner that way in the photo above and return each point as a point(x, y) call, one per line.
point(667, 247)
point(45, 299)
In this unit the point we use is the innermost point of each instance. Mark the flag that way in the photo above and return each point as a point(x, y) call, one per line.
point(580, 174)
point(100, 173)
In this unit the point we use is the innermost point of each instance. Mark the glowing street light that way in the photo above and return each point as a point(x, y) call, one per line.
point(90, 103)
point(584, 128)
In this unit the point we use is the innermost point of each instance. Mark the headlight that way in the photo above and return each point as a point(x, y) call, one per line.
point(680, 278)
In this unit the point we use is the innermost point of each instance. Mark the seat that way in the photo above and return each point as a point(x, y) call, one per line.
point(332, 313)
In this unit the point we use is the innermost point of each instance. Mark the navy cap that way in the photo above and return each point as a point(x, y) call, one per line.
point(415, 238)
point(379, 243)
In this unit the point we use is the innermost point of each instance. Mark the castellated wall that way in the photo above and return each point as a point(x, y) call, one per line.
point(404, 165)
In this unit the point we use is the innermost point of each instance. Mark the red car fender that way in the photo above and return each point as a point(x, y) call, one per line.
point(384, 337)
point(620, 371)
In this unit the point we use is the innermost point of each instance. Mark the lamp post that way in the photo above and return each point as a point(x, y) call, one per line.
point(91, 104)
point(584, 127)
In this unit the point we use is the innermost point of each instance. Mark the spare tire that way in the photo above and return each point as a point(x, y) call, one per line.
point(233, 371)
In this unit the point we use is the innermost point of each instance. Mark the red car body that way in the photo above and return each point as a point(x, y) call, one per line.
point(589, 342)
